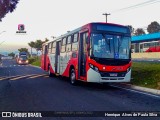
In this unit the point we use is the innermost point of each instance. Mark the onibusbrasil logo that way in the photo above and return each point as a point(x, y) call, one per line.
point(21, 29)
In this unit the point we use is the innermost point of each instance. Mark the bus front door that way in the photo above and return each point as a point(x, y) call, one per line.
point(57, 57)
point(82, 56)
point(44, 57)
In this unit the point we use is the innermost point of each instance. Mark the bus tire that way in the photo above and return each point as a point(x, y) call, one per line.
point(72, 77)
point(49, 72)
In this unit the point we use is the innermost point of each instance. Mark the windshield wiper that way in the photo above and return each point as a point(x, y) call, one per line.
point(107, 41)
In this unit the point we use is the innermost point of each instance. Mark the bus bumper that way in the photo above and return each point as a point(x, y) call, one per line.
point(94, 76)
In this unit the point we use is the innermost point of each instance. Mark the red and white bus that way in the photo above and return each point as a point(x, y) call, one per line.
point(95, 52)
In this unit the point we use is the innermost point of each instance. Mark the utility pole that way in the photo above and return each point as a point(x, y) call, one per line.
point(106, 14)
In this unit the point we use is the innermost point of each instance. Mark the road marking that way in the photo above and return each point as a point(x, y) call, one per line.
point(136, 91)
point(22, 77)
point(2, 78)
point(46, 76)
point(36, 76)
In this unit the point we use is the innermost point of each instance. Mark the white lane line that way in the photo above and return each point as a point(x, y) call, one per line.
point(136, 91)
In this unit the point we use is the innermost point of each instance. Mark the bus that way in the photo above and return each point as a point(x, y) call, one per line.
point(151, 46)
point(22, 58)
point(95, 52)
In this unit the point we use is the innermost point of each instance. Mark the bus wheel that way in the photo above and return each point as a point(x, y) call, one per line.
point(49, 72)
point(73, 77)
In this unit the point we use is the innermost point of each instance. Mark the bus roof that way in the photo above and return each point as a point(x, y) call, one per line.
point(80, 28)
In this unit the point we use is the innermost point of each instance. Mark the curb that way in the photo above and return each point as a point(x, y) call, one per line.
point(143, 89)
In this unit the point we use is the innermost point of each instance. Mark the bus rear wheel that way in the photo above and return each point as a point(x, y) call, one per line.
point(49, 72)
point(73, 77)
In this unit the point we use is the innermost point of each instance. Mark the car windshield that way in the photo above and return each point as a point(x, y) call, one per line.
point(110, 46)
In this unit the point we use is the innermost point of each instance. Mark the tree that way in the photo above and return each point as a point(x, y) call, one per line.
point(46, 40)
point(32, 45)
point(7, 6)
point(153, 27)
point(23, 50)
point(139, 31)
point(11, 54)
point(131, 29)
point(37, 44)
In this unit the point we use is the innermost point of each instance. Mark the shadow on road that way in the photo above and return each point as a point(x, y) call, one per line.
point(91, 86)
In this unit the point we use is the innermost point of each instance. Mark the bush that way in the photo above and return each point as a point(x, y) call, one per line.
point(31, 60)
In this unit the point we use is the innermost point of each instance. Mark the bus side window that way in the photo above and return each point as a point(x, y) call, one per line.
point(43, 49)
point(75, 42)
point(63, 47)
point(49, 47)
point(69, 41)
point(53, 47)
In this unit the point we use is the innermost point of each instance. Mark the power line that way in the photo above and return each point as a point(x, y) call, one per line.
point(149, 2)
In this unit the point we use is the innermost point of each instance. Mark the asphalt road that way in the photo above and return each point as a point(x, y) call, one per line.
point(29, 88)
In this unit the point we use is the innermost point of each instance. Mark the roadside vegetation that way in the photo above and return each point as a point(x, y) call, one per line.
point(34, 61)
point(146, 74)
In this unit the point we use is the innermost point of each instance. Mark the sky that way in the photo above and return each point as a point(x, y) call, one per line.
point(47, 18)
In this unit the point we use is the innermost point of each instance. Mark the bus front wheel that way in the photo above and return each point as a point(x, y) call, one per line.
point(73, 77)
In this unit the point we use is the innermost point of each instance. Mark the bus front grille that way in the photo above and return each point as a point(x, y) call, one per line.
point(112, 78)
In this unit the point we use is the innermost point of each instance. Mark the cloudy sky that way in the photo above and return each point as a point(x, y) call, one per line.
point(46, 18)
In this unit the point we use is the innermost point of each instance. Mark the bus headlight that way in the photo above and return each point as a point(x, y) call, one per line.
point(20, 61)
point(26, 61)
point(128, 69)
point(93, 67)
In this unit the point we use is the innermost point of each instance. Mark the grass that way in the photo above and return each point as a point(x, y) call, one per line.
point(36, 61)
point(146, 74)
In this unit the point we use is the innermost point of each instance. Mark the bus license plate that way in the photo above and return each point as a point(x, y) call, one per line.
point(113, 74)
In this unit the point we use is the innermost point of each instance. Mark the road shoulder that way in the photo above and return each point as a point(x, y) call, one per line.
point(138, 88)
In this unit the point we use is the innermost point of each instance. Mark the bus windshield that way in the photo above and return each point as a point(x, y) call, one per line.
point(110, 46)
point(23, 57)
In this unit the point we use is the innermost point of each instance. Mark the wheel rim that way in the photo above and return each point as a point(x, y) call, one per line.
point(73, 76)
